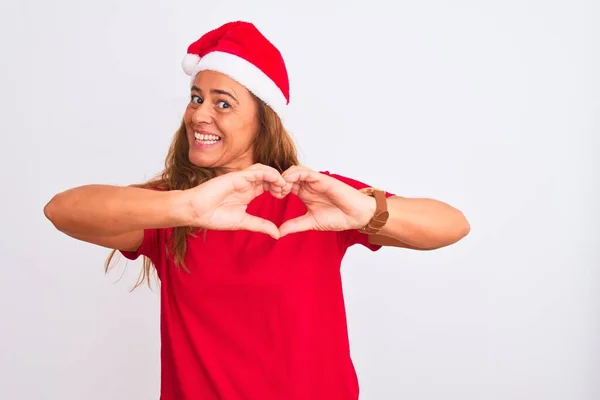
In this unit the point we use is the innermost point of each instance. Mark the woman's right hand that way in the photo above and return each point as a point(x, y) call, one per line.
point(221, 202)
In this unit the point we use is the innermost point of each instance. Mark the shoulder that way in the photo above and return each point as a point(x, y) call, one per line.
point(347, 180)
point(356, 184)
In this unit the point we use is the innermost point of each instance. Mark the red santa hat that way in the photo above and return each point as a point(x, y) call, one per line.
point(238, 50)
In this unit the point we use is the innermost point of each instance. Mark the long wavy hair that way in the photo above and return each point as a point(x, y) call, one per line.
point(273, 146)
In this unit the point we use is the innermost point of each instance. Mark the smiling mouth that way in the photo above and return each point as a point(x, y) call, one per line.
point(206, 138)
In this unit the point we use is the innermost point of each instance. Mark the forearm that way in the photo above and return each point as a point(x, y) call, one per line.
point(424, 223)
point(103, 210)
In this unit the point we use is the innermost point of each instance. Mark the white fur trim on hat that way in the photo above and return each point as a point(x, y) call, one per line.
point(189, 63)
point(247, 75)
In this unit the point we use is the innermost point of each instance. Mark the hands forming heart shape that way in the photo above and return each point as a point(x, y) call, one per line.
point(332, 205)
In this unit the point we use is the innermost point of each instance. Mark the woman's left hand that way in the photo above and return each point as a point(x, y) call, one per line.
point(331, 204)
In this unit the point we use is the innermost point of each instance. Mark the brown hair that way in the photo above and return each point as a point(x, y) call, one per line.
point(273, 146)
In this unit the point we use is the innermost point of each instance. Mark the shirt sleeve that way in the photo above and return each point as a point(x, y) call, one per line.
point(150, 247)
point(351, 237)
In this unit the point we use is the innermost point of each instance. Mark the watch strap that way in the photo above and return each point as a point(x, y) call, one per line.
point(381, 211)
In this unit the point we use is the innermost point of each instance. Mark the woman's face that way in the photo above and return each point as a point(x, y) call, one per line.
point(221, 122)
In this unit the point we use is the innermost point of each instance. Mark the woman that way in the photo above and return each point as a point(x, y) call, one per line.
point(246, 242)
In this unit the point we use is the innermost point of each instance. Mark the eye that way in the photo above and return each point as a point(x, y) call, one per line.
point(223, 104)
point(196, 99)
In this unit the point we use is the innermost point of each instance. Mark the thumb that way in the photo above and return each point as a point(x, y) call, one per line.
point(256, 224)
point(300, 224)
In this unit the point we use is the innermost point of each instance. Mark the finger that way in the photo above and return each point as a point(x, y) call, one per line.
point(296, 187)
point(256, 224)
point(301, 174)
point(292, 170)
point(276, 191)
point(299, 224)
point(263, 174)
point(287, 189)
point(262, 167)
point(260, 188)
point(266, 186)
point(256, 166)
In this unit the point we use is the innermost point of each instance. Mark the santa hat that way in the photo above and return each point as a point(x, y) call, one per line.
point(238, 50)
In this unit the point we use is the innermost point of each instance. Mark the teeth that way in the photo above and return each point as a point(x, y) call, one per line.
point(206, 138)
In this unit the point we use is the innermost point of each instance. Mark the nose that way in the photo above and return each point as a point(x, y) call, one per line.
point(202, 115)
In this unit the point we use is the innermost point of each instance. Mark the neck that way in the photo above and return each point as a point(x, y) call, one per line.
point(236, 165)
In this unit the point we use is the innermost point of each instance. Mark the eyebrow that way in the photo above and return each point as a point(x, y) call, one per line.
point(216, 91)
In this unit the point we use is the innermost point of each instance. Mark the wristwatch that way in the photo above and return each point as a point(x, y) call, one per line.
point(381, 212)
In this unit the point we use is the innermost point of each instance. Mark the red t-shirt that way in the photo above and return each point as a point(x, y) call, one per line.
point(256, 318)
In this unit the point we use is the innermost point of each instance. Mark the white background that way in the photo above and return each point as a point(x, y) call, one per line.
point(490, 106)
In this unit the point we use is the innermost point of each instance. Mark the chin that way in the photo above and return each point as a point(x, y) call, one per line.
point(202, 157)
point(200, 161)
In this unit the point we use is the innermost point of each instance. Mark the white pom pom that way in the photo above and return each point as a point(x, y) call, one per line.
point(189, 63)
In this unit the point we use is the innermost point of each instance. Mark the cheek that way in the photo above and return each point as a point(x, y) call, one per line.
point(250, 126)
point(187, 116)
point(245, 134)
point(236, 129)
